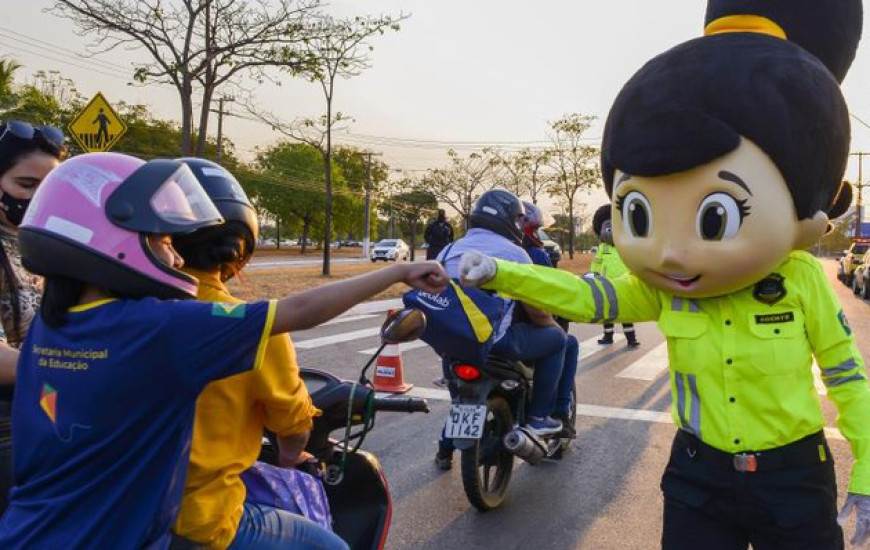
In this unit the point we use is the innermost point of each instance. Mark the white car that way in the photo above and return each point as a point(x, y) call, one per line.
point(390, 250)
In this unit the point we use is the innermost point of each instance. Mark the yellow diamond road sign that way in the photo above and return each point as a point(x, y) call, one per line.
point(98, 127)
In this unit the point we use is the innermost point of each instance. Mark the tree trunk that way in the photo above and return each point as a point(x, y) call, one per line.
point(186, 93)
point(305, 227)
point(413, 238)
point(327, 165)
point(571, 230)
point(202, 131)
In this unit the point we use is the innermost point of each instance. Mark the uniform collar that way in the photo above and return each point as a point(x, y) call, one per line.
point(207, 279)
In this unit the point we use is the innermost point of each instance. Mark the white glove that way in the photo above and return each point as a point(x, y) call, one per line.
point(590, 275)
point(476, 269)
point(861, 505)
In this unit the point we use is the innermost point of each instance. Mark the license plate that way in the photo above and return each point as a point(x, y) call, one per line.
point(465, 421)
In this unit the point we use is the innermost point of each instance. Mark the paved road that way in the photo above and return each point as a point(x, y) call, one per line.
point(603, 496)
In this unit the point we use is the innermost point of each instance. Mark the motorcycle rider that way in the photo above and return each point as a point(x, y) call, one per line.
point(231, 413)
point(535, 219)
point(495, 228)
point(107, 383)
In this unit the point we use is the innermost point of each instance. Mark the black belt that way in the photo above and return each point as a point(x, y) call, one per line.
point(813, 449)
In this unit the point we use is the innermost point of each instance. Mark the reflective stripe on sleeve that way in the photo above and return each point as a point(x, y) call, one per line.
point(831, 376)
point(610, 293)
point(598, 298)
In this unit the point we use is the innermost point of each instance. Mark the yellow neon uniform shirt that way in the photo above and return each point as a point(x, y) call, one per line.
point(607, 262)
point(228, 431)
point(740, 364)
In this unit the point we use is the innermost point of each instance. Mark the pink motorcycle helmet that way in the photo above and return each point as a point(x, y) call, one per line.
point(90, 218)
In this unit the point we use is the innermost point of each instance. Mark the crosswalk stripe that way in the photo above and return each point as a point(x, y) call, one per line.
point(648, 367)
point(348, 319)
point(404, 346)
point(593, 411)
point(336, 338)
point(590, 346)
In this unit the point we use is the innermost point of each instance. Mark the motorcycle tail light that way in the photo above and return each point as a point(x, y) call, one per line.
point(466, 372)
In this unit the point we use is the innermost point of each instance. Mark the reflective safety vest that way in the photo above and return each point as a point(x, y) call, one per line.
point(607, 262)
point(741, 364)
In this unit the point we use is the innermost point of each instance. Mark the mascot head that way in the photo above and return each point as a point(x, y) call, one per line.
point(727, 152)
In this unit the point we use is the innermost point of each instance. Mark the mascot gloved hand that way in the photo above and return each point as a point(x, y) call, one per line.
point(861, 505)
point(476, 269)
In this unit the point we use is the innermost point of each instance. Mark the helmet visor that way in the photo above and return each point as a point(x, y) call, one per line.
point(181, 200)
point(162, 196)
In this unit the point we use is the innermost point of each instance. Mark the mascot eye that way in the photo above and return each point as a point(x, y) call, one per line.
point(720, 217)
point(636, 213)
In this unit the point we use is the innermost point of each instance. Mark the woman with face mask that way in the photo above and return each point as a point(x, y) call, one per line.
point(27, 155)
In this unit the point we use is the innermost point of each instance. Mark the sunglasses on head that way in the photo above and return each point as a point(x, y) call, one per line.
point(26, 131)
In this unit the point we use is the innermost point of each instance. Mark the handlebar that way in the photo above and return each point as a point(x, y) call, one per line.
point(401, 404)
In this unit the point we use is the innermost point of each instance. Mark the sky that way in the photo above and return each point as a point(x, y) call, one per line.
point(459, 73)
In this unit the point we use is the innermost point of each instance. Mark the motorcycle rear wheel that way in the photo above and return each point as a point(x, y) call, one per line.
point(487, 466)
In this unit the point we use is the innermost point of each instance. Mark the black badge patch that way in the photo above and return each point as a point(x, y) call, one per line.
point(770, 290)
point(774, 318)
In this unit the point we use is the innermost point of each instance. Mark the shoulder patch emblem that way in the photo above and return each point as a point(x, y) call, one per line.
point(234, 311)
point(770, 290)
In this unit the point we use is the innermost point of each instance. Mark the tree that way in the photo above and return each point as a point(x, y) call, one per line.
point(575, 166)
point(463, 181)
point(202, 43)
point(7, 80)
point(524, 171)
point(338, 50)
point(48, 98)
point(413, 207)
point(291, 185)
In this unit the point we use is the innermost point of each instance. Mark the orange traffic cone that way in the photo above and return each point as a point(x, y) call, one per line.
point(388, 371)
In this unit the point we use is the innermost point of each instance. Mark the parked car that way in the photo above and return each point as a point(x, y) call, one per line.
point(851, 259)
point(390, 250)
point(861, 277)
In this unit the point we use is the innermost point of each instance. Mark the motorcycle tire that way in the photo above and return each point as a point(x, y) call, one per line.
point(487, 466)
point(565, 442)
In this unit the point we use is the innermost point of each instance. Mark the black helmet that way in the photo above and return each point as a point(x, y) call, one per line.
point(217, 245)
point(499, 211)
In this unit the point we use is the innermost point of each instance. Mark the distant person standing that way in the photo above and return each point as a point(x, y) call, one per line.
point(439, 233)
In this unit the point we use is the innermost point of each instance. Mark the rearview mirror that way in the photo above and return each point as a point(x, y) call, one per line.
point(403, 325)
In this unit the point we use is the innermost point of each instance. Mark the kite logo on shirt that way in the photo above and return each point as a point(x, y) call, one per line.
point(233, 311)
point(48, 401)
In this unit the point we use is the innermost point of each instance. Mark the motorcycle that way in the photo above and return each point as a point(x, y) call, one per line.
point(488, 412)
point(355, 484)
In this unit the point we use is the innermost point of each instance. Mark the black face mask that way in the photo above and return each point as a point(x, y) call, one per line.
point(14, 208)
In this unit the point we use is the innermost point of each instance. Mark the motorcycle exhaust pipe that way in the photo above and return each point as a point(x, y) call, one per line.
point(524, 444)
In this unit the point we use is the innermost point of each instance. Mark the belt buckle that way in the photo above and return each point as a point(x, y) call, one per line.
point(745, 462)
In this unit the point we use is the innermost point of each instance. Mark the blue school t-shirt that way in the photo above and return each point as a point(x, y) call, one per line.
point(103, 413)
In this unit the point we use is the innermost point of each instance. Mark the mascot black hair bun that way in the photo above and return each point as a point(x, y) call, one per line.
point(760, 93)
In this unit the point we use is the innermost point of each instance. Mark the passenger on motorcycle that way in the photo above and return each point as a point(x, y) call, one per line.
point(112, 365)
point(232, 413)
point(496, 229)
point(534, 219)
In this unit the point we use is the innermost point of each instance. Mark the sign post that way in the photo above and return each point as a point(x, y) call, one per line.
point(98, 127)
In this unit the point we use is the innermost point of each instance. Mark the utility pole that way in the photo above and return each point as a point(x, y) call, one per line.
point(366, 222)
point(859, 202)
point(220, 131)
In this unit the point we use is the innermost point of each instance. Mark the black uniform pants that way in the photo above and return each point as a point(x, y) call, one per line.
point(788, 503)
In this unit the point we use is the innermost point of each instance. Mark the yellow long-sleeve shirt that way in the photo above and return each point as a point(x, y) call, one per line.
point(740, 364)
point(228, 431)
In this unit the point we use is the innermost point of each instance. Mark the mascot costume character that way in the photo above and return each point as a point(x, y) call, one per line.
point(723, 158)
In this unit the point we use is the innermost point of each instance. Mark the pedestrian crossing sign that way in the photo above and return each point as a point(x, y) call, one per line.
point(98, 127)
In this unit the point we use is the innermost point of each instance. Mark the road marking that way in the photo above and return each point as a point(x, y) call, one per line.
point(404, 346)
point(648, 367)
point(336, 338)
point(348, 319)
point(590, 346)
point(593, 411)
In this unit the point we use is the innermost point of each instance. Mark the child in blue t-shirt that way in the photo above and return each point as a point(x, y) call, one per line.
point(112, 366)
